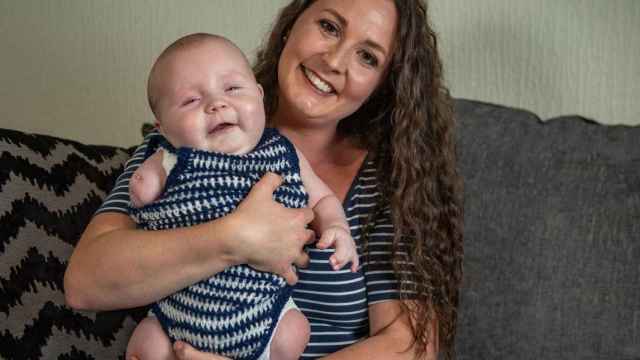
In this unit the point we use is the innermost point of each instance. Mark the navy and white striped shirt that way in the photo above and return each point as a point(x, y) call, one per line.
point(335, 302)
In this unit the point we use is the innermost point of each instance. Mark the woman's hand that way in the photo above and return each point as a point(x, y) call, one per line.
point(270, 236)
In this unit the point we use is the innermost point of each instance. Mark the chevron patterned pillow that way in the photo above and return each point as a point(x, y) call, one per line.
point(49, 189)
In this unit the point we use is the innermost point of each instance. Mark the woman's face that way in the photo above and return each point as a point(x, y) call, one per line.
point(335, 56)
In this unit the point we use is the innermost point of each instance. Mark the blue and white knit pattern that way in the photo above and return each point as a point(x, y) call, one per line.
point(234, 312)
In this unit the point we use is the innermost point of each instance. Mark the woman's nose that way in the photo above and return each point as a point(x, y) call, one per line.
point(336, 59)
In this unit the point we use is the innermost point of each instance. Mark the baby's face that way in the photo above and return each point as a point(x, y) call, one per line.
point(208, 99)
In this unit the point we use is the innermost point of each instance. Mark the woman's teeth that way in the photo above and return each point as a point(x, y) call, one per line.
point(317, 82)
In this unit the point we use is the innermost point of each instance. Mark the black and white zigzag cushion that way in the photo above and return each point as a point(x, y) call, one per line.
point(49, 189)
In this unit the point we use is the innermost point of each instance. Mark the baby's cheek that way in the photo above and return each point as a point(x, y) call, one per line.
point(188, 134)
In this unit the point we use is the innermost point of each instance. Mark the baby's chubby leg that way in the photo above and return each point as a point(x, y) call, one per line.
point(148, 181)
point(149, 342)
point(291, 336)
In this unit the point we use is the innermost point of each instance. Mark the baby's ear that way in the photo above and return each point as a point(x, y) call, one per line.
point(157, 125)
point(261, 90)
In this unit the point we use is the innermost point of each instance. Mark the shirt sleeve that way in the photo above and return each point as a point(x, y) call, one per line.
point(118, 198)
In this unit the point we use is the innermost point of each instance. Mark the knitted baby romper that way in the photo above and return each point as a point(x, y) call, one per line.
point(233, 313)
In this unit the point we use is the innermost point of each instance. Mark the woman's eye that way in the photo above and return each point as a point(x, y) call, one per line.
point(368, 58)
point(189, 101)
point(328, 27)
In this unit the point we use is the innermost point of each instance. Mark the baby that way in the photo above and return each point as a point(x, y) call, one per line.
point(208, 106)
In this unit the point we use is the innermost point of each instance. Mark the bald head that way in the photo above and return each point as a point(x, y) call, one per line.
point(182, 44)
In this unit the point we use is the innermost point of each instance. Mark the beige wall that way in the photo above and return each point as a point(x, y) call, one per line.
point(554, 57)
point(77, 68)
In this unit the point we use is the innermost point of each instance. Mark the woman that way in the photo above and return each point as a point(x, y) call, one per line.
point(357, 87)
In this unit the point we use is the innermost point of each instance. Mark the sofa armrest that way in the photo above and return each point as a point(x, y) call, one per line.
point(49, 190)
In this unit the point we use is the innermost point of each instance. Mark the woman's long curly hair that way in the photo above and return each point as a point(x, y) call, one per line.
point(408, 124)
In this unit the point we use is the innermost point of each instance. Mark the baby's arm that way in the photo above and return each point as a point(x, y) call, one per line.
point(148, 181)
point(330, 220)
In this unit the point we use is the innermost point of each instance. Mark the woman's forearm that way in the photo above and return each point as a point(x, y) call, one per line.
point(116, 266)
point(388, 345)
point(391, 337)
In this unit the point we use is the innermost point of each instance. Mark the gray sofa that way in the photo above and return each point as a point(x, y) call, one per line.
point(552, 240)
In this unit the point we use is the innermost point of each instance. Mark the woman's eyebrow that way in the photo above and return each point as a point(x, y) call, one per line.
point(344, 23)
point(337, 15)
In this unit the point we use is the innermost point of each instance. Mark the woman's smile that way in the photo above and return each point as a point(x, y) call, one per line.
point(322, 86)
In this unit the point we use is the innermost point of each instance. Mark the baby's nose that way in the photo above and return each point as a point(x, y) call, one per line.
point(216, 105)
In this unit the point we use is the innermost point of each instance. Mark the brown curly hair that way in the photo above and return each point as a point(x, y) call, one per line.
point(408, 124)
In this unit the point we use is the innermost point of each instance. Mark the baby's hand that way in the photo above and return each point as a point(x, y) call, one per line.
point(346, 251)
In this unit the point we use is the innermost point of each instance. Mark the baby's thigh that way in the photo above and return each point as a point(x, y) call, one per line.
point(149, 341)
point(291, 336)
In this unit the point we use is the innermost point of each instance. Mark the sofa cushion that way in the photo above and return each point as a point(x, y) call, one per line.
point(552, 236)
point(49, 189)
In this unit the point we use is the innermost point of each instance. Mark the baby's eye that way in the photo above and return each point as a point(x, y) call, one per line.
point(328, 27)
point(232, 88)
point(189, 101)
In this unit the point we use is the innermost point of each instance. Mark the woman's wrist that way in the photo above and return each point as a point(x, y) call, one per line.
point(241, 244)
point(216, 244)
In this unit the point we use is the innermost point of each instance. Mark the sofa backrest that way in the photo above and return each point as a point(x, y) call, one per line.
point(552, 236)
point(552, 240)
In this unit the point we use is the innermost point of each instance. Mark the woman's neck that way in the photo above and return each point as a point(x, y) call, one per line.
point(336, 159)
point(321, 143)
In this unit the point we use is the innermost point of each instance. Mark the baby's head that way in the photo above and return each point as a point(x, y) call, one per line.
point(204, 95)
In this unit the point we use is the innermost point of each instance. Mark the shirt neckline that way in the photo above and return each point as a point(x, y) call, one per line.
point(356, 180)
